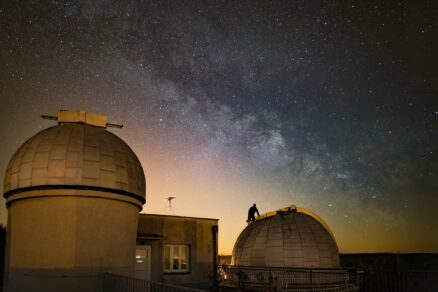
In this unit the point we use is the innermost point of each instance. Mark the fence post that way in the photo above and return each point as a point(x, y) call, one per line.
point(311, 282)
point(270, 279)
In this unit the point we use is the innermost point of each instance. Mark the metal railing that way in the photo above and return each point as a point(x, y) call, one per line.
point(293, 279)
point(287, 279)
point(118, 283)
point(398, 280)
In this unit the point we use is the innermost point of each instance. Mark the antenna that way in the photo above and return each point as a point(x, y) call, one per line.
point(170, 204)
point(170, 201)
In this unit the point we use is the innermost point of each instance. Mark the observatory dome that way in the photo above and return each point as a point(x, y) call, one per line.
point(69, 189)
point(290, 237)
point(75, 156)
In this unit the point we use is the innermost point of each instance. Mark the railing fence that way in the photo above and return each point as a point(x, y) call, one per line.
point(118, 283)
point(319, 280)
point(398, 280)
point(291, 279)
point(286, 279)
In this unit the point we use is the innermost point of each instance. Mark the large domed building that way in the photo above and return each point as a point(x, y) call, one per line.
point(290, 237)
point(73, 193)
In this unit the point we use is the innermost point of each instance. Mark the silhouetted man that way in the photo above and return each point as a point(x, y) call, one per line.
point(251, 213)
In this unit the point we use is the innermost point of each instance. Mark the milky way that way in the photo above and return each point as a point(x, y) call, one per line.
point(330, 106)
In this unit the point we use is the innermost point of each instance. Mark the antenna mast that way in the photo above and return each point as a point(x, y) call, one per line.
point(170, 204)
point(170, 201)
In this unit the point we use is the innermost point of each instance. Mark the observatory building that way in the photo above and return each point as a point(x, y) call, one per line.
point(73, 193)
point(292, 237)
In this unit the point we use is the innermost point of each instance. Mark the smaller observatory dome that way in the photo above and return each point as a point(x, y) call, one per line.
point(78, 153)
point(290, 237)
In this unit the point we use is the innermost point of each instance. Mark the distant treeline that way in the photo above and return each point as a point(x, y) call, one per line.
point(391, 261)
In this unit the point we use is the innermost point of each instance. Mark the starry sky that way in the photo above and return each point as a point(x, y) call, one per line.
point(329, 105)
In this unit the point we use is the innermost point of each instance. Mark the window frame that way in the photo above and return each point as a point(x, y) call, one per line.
point(171, 256)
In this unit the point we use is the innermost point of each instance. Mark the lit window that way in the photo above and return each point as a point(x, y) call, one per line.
point(176, 258)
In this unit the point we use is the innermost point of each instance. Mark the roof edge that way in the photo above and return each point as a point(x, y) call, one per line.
point(178, 216)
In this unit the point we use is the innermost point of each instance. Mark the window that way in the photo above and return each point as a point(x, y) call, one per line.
point(176, 258)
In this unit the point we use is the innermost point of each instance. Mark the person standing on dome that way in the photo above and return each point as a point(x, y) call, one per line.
point(251, 213)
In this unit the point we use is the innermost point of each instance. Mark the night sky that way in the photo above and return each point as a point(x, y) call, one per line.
point(329, 105)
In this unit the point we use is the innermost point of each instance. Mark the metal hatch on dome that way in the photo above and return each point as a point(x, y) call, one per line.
point(67, 116)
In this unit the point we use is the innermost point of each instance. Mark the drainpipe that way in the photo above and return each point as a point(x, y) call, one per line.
point(214, 232)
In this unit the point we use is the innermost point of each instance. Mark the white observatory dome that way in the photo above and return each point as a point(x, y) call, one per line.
point(75, 156)
point(291, 237)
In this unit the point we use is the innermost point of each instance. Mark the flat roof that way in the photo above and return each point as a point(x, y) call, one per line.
point(175, 216)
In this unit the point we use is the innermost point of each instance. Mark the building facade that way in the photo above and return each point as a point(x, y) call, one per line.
point(178, 250)
point(73, 193)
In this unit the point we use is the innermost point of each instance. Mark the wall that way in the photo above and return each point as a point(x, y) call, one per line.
point(67, 241)
point(159, 230)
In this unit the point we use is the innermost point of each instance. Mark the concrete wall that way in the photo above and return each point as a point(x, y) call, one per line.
point(65, 241)
point(199, 233)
